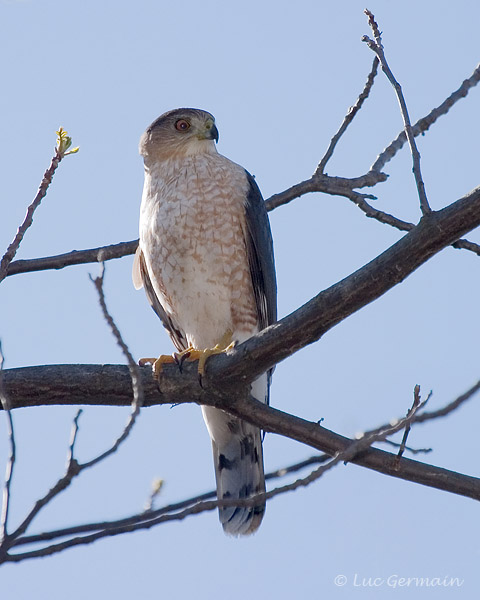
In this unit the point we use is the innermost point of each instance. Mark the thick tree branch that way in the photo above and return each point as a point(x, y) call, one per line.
point(111, 385)
point(152, 518)
point(317, 183)
point(310, 322)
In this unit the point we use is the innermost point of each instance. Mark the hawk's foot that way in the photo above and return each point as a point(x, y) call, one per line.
point(157, 363)
point(224, 345)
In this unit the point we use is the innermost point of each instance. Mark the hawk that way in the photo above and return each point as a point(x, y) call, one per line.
point(205, 259)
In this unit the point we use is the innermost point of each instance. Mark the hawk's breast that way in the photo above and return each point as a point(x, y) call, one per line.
point(192, 234)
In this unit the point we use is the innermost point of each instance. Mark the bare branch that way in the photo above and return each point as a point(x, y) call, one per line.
point(424, 124)
point(335, 186)
point(73, 438)
point(76, 257)
point(151, 514)
point(111, 385)
point(449, 408)
point(138, 395)
point(348, 118)
point(408, 448)
point(412, 410)
point(104, 253)
point(309, 323)
point(388, 219)
point(377, 47)
point(379, 215)
point(63, 143)
point(74, 468)
point(151, 519)
point(325, 184)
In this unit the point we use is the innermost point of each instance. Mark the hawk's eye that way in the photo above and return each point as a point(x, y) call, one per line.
point(182, 125)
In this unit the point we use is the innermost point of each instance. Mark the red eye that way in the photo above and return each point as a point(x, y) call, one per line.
point(182, 125)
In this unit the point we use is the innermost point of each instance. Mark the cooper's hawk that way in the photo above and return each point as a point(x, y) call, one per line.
point(205, 259)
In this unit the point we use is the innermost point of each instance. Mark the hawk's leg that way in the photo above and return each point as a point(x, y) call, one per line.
point(226, 343)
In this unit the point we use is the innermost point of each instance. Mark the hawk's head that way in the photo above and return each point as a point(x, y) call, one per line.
point(183, 131)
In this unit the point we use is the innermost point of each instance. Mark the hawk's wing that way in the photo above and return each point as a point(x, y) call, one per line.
point(141, 277)
point(260, 256)
point(261, 262)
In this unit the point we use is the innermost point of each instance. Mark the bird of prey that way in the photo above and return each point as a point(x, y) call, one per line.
point(205, 259)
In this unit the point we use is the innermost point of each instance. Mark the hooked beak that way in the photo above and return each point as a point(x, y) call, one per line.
point(211, 132)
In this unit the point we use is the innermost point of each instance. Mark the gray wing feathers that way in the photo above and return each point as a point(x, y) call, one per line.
point(260, 255)
point(261, 261)
point(173, 330)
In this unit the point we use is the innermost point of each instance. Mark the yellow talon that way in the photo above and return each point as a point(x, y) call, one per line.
point(207, 352)
point(157, 363)
point(190, 354)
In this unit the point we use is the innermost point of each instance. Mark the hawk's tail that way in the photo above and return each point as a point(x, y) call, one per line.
point(238, 460)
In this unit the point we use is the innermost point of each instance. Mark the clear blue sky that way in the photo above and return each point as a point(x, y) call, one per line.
point(279, 77)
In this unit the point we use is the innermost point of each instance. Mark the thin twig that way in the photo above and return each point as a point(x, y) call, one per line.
point(73, 438)
point(199, 504)
point(74, 468)
point(408, 448)
point(147, 515)
point(446, 410)
point(348, 118)
point(377, 47)
point(91, 255)
point(62, 484)
point(63, 144)
point(359, 445)
point(424, 124)
point(311, 185)
point(138, 396)
point(416, 403)
point(144, 521)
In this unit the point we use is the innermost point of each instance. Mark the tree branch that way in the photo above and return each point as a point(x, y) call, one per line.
point(310, 322)
point(63, 143)
point(348, 118)
point(74, 468)
point(349, 453)
point(377, 47)
point(324, 184)
point(152, 514)
point(424, 124)
point(111, 385)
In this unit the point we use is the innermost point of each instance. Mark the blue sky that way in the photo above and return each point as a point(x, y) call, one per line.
point(279, 77)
